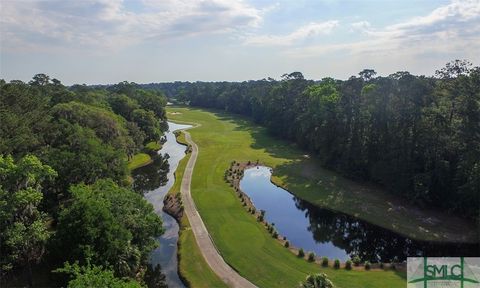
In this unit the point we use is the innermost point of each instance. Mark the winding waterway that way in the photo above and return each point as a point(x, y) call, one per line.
point(334, 234)
point(154, 181)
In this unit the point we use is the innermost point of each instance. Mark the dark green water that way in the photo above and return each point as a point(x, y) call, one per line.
point(333, 234)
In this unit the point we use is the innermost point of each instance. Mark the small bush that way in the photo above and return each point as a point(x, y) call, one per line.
point(393, 266)
point(381, 265)
point(275, 234)
point(336, 264)
point(348, 265)
point(262, 212)
point(287, 244)
point(325, 261)
point(260, 218)
point(284, 237)
point(367, 265)
point(311, 257)
point(253, 210)
point(301, 253)
point(356, 260)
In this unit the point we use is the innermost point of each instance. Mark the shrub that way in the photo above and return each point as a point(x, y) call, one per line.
point(259, 218)
point(275, 234)
point(381, 265)
point(253, 210)
point(301, 253)
point(336, 264)
point(325, 261)
point(284, 237)
point(393, 266)
point(311, 257)
point(348, 265)
point(367, 265)
point(317, 280)
point(262, 212)
point(287, 244)
point(356, 260)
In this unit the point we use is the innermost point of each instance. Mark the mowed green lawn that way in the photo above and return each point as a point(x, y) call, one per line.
point(242, 241)
point(192, 265)
point(139, 160)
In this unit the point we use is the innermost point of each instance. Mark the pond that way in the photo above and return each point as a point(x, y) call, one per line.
point(333, 234)
point(154, 181)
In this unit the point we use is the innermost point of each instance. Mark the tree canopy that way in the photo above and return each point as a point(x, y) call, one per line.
point(417, 136)
point(63, 172)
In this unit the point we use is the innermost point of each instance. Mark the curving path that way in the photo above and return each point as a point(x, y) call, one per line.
point(205, 243)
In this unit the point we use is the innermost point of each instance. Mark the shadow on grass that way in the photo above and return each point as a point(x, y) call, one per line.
point(276, 147)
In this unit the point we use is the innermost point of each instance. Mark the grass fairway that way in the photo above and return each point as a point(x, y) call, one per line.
point(192, 266)
point(139, 160)
point(242, 241)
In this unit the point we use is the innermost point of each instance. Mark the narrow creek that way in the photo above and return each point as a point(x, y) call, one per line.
point(154, 181)
point(333, 234)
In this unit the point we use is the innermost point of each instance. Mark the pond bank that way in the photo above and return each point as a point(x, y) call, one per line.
point(325, 232)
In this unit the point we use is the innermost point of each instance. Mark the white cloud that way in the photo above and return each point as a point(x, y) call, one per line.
point(361, 26)
point(109, 23)
point(308, 31)
point(452, 28)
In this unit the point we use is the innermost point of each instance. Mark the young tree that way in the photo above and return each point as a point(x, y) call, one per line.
point(316, 281)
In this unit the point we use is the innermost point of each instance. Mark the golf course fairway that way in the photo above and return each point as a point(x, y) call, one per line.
point(241, 240)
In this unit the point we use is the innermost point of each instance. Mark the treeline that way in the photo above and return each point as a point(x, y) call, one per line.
point(417, 136)
point(65, 196)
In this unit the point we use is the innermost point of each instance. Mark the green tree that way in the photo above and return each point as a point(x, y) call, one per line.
point(148, 123)
point(89, 276)
point(23, 227)
point(316, 281)
point(78, 155)
point(24, 118)
point(123, 105)
point(108, 224)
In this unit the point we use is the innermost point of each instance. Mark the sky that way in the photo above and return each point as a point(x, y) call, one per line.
point(144, 41)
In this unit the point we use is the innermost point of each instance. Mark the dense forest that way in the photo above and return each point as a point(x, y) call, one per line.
point(67, 210)
point(417, 136)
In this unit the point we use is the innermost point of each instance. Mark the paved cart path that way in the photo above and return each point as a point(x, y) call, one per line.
point(205, 243)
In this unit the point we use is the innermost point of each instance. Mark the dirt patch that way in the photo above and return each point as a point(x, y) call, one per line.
point(172, 205)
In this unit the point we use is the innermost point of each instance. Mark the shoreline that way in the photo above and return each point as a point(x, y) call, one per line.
point(248, 205)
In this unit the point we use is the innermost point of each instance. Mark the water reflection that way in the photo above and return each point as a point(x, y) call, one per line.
point(334, 234)
point(154, 181)
point(150, 177)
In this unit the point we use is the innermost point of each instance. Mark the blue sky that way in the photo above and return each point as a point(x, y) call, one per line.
point(100, 41)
